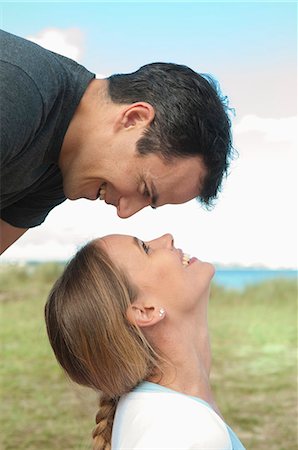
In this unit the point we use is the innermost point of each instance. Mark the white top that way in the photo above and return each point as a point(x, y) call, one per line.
point(156, 418)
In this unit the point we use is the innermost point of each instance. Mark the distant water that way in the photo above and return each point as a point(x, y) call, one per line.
point(239, 278)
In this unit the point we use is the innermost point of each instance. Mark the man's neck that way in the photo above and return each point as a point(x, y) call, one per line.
point(85, 114)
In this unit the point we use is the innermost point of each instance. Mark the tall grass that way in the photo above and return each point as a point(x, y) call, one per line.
point(254, 366)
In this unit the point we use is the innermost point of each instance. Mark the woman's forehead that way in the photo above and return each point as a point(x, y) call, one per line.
point(109, 241)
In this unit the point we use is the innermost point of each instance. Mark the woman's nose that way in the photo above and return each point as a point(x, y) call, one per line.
point(165, 241)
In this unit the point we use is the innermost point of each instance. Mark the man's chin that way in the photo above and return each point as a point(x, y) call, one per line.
point(77, 197)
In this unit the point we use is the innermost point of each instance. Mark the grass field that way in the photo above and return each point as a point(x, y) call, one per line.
point(254, 341)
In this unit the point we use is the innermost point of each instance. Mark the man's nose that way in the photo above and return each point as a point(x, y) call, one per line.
point(128, 207)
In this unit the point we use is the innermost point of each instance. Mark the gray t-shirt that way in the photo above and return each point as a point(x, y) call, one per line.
point(39, 91)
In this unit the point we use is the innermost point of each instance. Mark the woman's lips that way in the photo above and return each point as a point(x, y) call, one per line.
point(192, 260)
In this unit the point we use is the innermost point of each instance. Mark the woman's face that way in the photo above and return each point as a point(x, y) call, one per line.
point(160, 271)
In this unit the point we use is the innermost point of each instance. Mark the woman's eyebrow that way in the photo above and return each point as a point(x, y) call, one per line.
point(136, 241)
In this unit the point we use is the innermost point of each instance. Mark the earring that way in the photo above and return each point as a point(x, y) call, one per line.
point(161, 312)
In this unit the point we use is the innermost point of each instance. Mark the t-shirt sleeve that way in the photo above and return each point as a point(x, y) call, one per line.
point(31, 210)
point(21, 111)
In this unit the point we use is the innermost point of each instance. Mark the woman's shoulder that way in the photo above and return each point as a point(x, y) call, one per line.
point(161, 418)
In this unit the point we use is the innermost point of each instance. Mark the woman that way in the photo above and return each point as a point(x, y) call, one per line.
point(129, 319)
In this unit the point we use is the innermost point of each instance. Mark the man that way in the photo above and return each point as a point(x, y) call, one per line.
point(156, 136)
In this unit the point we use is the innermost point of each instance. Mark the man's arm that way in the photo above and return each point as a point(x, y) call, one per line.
point(9, 234)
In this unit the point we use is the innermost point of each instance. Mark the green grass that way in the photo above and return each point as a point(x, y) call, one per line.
point(254, 339)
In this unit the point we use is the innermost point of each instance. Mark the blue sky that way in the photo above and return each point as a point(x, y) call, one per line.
point(250, 47)
point(220, 38)
point(173, 30)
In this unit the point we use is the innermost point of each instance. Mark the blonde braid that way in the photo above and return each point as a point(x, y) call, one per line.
point(102, 433)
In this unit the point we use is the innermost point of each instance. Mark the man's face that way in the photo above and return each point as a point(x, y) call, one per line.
point(149, 180)
point(136, 181)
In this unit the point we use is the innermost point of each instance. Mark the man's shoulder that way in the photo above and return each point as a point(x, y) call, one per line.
point(48, 86)
point(47, 69)
point(21, 52)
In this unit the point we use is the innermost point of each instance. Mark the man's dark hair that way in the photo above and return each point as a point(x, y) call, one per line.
point(191, 117)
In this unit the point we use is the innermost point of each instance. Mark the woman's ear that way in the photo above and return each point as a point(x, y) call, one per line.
point(144, 316)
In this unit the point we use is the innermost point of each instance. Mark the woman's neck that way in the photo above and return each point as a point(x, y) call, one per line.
point(184, 370)
point(187, 350)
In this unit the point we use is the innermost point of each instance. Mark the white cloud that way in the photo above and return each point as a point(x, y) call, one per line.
point(254, 222)
point(100, 76)
point(49, 250)
point(67, 42)
point(272, 129)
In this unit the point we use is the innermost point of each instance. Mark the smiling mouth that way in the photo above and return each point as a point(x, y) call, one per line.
point(185, 259)
point(101, 195)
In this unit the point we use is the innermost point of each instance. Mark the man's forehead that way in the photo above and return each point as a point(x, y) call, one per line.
point(179, 183)
point(159, 167)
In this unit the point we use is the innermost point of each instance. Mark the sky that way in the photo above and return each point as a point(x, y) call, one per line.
point(250, 48)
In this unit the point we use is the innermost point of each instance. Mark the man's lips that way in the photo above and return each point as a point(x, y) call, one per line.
point(101, 193)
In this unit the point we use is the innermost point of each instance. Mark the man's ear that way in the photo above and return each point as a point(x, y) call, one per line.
point(144, 316)
point(138, 114)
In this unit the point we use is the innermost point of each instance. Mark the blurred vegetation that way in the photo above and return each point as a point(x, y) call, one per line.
point(254, 340)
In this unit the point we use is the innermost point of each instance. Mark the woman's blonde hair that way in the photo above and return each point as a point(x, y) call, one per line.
point(91, 337)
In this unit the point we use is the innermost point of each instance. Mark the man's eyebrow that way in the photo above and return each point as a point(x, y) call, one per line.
point(155, 196)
